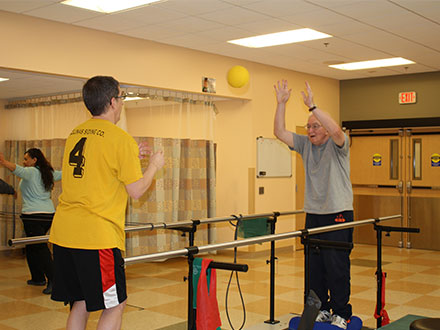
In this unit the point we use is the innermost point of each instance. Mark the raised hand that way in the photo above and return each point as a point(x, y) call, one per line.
point(157, 159)
point(144, 150)
point(308, 98)
point(282, 91)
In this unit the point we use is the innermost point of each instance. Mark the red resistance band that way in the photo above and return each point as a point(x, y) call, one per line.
point(383, 313)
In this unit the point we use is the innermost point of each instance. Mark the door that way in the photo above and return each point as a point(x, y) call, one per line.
point(395, 171)
point(423, 188)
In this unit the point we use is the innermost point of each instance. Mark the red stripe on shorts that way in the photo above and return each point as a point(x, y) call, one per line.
point(107, 264)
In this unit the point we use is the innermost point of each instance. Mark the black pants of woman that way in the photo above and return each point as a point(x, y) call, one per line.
point(38, 256)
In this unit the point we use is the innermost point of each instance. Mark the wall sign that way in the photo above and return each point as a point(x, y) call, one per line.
point(435, 160)
point(407, 97)
point(377, 160)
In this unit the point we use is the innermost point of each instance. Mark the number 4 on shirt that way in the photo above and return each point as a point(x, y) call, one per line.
point(77, 159)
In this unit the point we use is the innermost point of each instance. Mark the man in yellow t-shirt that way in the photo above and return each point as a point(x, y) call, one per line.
point(101, 168)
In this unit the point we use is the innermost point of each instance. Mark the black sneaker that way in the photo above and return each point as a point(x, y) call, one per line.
point(48, 289)
point(36, 283)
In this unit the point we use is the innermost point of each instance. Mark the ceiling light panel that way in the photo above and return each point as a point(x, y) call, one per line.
point(280, 38)
point(386, 62)
point(108, 6)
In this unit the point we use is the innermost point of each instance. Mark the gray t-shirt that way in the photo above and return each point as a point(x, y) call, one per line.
point(327, 171)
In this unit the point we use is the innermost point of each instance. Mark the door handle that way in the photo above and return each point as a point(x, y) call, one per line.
point(408, 187)
point(400, 186)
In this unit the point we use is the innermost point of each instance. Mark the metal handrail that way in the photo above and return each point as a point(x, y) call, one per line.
point(163, 225)
point(254, 240)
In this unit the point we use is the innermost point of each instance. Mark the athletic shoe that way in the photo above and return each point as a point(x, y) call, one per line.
point(36, 283)
point(339, 321)
point(324, 316)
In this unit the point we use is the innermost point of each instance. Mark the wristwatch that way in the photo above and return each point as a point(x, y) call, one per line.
point(312, 108)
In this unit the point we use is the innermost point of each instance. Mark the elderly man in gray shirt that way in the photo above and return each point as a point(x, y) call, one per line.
point(328, 200)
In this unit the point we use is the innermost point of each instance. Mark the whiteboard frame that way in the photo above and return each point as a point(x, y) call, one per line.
point(274, 159)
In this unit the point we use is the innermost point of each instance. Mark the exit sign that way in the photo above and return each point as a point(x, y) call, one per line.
point(407, 97)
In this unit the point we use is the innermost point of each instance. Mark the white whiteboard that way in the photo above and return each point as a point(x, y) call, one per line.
point(274, 158)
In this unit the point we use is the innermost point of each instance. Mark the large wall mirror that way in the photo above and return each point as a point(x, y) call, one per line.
point(40, 110)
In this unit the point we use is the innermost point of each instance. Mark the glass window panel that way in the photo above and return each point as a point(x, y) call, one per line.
point(394, 159)
point(417, 159)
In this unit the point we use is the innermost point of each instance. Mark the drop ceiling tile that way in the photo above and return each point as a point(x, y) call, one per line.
point(312, 68)
point(23, 6)
point(109, 23)
point(188, 40)
point(194, 7)
point(191, 24)
point(234, 16)
point(414, 68)
point(118, 22)
point(281, 8)
point(377, 39)
point(227, 49)
point(270, 25)
point(345, 27)
point(410, 26)
point(151, 32)
point(241, 2)
point(422, 56)
point(334, 3)
point(427, 8)
point(300, 51)
point(350, 51)
point(225, 34)
point(364, 10)
point(381, 72)
point(316, 18)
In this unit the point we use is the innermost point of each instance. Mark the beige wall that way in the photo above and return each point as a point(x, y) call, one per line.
point(44, 46)
point(377, 98)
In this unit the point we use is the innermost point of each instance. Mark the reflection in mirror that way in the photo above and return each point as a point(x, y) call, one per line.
point(42, 110)
point(44, 106)
point(23, 84)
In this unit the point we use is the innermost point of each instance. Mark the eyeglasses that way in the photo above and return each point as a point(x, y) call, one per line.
point(313, 126)
point(123, 96)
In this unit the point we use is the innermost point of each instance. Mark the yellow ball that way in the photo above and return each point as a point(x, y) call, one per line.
point(238, 76)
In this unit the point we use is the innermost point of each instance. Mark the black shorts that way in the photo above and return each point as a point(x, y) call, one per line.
point(96, 276)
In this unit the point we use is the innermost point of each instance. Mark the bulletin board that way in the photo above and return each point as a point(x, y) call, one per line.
point(274, 158)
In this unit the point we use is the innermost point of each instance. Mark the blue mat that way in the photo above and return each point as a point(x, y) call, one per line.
point(355, 324)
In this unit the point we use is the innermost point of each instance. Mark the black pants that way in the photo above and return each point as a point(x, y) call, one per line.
point(38, 256)
point(330, 268)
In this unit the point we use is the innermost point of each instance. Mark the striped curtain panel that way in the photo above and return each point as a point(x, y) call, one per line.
point(183, 190)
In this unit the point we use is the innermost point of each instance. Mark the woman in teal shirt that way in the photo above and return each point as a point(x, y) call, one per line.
point(37, 180)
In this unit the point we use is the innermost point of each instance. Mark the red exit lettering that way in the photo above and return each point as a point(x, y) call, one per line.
point(407, 97)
